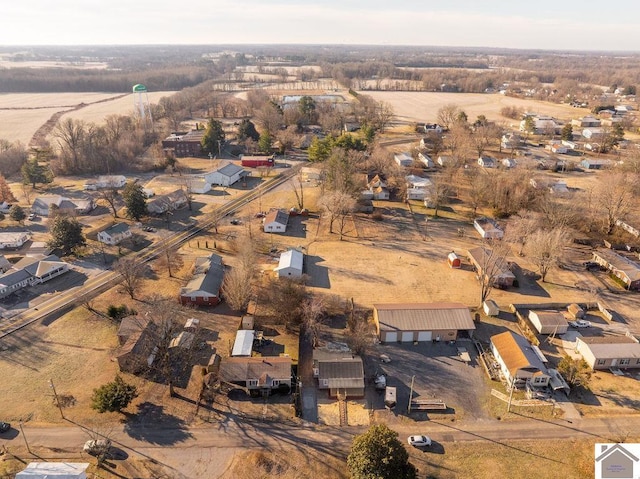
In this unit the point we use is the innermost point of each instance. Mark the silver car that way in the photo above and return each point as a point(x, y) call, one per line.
point(419, 441)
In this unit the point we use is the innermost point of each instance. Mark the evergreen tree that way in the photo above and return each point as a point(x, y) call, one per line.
point(567, 132)
point(213, 134)
point(247, 130)
point(66, 233)
point(378, 454)
point(33, 172)
point(265, 142)
point(16, 213)
point(114, 396)
point(135, 201)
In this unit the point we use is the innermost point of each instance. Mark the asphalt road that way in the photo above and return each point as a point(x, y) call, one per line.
point(173, 447)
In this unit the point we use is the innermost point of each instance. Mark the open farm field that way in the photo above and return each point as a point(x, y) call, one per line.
point(21, 114)
point(424, 106)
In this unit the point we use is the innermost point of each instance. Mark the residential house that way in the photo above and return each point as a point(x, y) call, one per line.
point(137, 352)
point(433, 127)
point(628, 228)
point(290, 264)
point(426, 160)
point(54, 470)
point(5, 264)
point(409, 322)
point(509, 163)
point(556, 146)
point(481, 258)
point(311, 174)
point(203, 289)
point(605, 352)
point(520, 362)
point(488, 228)
point(275, 221)
point(169, 202)
point(592, 164)
point(339, 373)
point(226, 175)
point(543, 125)
point(511, 141)
point(111, 181)
point(13, 240)
point(559, 188)
point(129, 326)
point(403, 159)
point(585, 122)
point(259, 375)
point(376, 189)
point(487, 162)
point(42, 205)
point(418, 188)
point(115, 234)
point(29, 271)
point(548, 322)
point(183, 144)
point(624, 268)
point(594, 134)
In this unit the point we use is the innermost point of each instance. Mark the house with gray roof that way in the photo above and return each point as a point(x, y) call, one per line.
point(204, 287)
point(290, 264)
point(30, 271)
point(339, 373)
point(114, 234)
point(169, 202)
point(627, 270)
point(605, 352)
point(259, 375)
point(42, 205)
point(275, 221)
point(409, 322)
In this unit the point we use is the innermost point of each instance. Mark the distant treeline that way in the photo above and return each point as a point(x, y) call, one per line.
point(26, 80)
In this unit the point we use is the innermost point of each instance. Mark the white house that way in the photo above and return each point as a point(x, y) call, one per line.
point(509, 163)
point(42, 205)
point(594, 133)
point(114, 234)
point(29, 271)
point(13, 240)
point(418, 188)
point(275, 221)
point(112, 181)
point(403, 159)
point(542, 125)
point(426, 160)
point(225, 176)
point(290, 264)
point(377, 189)
point(445, 160)
point(488, 228)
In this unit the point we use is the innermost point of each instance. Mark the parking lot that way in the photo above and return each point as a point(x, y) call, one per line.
point(439, 374)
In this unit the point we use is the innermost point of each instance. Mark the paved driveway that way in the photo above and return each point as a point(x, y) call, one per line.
point(439, 373)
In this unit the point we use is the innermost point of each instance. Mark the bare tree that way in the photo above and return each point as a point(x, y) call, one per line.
point(270, 119)
point(110, 195)
point(545, 248)
point(171, 259)
point(298, 189)
point(615, 195)
point(237, 289)
point(477, 188)
point(132, 272)
point(285, 297)
point(447, 115)
point(338, 205)
point(360, 333)
point(438, 194)
point(521, 227)
point(313, 313)
point(490, 263)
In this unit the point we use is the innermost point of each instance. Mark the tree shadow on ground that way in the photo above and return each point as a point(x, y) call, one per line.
point(153, 425)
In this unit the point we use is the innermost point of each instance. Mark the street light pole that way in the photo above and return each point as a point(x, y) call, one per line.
point(55, 394)
point(219, 149)
point(24, 437)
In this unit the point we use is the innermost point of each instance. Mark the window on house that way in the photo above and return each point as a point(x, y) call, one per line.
point(253, 382)
point(624, 362)
point(601, 362)
point(276, 383)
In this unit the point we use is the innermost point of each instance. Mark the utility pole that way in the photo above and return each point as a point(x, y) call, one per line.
point(511, 394)
point(24, 437)
point(411, 394)
point(55, 394)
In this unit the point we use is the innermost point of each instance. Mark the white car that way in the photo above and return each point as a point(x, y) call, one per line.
point(580, 323)
point(419, 441)
point(97, 447)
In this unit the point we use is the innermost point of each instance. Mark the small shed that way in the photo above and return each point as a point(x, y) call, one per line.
point(390, 398)
point(290, 264)
point(490, 308)
point(575, 311)
point(244, 343)
point(248, 321)
point(453, 260)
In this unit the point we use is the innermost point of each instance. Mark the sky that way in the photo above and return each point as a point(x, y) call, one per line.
point(540, 24)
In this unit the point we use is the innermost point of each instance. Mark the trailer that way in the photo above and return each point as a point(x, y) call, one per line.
point(257, 161)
